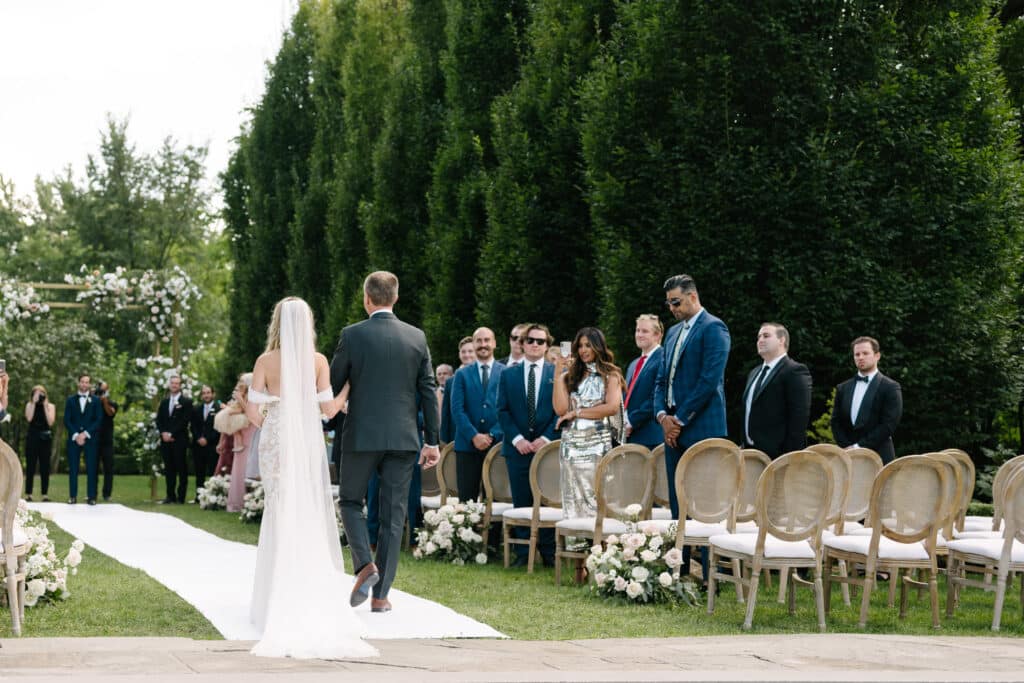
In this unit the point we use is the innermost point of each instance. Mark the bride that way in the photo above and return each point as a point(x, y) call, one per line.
point(300, 597)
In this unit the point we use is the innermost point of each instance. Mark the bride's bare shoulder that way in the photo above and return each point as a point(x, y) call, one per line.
point(320, 360)
point(269, 358)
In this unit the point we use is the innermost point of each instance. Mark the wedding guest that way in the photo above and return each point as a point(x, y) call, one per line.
point(515, 341)
point(587, 392)
point(3, 394)
point(442, 374)
point(552, 355)
point(467, 356)
point(204, 436)
point(82, 419)
point(172, 422)
point(641, 427)
point(869, 406)
point(107, 437)
point(40, 414)
point(236, 432)
point(475, 414)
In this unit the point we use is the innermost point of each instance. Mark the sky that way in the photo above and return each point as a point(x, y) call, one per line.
point(186, 69)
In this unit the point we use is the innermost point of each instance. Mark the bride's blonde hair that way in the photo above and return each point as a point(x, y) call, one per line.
point(274, 329)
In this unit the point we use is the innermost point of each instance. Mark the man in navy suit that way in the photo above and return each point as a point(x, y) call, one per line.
point(82, 419)
point(527, 423)
point(641, 428)
point(869, 406)
point(467, 356)
point(475, 413)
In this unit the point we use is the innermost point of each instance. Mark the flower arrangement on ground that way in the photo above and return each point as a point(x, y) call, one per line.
point(46, 572)
point(640, 566)
point(451, 534)
point(214, 495)
point(252, 504)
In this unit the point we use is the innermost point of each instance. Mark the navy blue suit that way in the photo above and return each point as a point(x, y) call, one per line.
point(447, 426)
point(77, 420)
point(640, 411)
point(474, 411)
point(514, 422)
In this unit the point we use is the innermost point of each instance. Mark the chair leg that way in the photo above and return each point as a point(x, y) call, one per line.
point(559, 547)
point(844, 587)
point(952, 575)
point(783, 583)
point(712, 580)
point(755, 579)
point(933, 590)
point(865, 601)
point(737, 571)
point(894, 578)
point(819, 598)
point(534, 532)
point(997, 610)
point(14, 604)
point(826, 570)
point(903, 596)
point(791, 595)
point(506, 542)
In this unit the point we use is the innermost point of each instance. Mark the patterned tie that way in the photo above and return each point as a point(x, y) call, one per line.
point(485, 376)
point(636, 373)
point(675, 361)
point(531, 391)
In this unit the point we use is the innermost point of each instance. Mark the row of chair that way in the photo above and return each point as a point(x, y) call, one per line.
point(14, 544)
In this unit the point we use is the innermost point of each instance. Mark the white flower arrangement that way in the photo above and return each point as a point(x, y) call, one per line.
point(252, 504)
point(46, 578)
point(640, 566)
point(160, 369)
point(214, 495)
point(451, 533)
point(19, 302)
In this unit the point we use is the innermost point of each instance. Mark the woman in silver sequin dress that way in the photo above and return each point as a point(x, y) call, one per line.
point(587, 392)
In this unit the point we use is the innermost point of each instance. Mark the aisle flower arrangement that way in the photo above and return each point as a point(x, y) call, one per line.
point(46, 571)
point(640, 566)
point(214, 495)
point(451, 534)
point(252, 504)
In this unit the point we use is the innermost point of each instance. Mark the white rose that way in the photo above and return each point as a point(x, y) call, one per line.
point(634, 590)
point(446, 510)
point(430, 548)
point(481, 558)
point(665, 579)
point(612, 540)
point(417, 553)
point(466, 534)
point(656, 542)
point(31, 600)
point(474, 518)
point(458, 519)
point(673, 557)
point(641, 573)
point(458, 561)
point(620, 583)
point(648, 555)
point(36, 587)
point(600, 579)
point(78, 545)
point(628, 553)
point(634, 509)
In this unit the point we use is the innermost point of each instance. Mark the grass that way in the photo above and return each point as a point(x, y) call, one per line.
point(520, 605)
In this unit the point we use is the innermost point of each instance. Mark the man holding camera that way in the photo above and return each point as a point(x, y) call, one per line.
point(106, 437)
point(83, 418)
point(3, 391)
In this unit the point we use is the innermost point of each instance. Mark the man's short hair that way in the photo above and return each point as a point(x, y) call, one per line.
point(654, 320)
point(381, 287)
point(464, 341)
point(530, 327)
point(83, 374)
point(518, 326)
point(865, 340)
point(685, 284)
point(442, 366)
point(780, 331)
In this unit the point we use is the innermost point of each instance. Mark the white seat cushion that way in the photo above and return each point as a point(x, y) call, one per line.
point(991, 548)
point(695, 529)
point(610, 525)
point(980, 525)
point(978, 518)
point(746, 527)
point(888, 549)
point(497, 509)
point(526, 514)
point(20, 539)
point(774, 548)
point(430, 502)
point(977, 534)
point(661, 513)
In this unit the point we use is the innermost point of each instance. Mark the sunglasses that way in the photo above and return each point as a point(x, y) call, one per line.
point(672, 303)
point(513, 338)
point(534, 340)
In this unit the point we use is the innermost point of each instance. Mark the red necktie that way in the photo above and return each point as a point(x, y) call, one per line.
point(636, 373)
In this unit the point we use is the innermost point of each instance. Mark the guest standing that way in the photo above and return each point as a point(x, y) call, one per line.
point(172, 419)
point(236, 433)
point(475, 414)
point(641, 427)
point(106, 458)
point(204, 436)
point(869, 406)
point(777, 398)
point(82, 419)
point(41, 414)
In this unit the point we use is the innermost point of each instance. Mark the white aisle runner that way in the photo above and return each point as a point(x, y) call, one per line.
point(215, 575)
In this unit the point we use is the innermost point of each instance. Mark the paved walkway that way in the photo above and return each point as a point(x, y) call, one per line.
point(833, 657)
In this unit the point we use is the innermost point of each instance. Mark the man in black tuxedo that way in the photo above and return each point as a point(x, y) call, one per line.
point(777, 398)
point(83, 418)
point(204, 437)
point(172, 420)
point(387, 365)
point(869, 406)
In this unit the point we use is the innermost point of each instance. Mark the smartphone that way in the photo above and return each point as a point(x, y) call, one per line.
point(565, 348)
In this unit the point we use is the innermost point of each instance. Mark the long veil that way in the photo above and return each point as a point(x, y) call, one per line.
point(307, 612)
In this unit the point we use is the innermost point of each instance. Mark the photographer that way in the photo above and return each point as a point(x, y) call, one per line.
point(40, 414)
point(106, 437)
point(3, 392)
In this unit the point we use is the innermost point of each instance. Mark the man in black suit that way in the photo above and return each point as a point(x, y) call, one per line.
point(869, 406)
point(172, 419)
point(106, 440)
point(387, 365)
point(777, 398)
point(204, 437)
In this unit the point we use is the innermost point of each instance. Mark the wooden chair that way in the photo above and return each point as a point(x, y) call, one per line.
point(14, 544)
point(842, 473)
point(907, 504)
point(545, 484)
point(497, 492)
point(792, 507)
point(624, 476)
point(1007, 553)
point(433, 491)
point(755, 462)
point(661, 509)
point(865, 464)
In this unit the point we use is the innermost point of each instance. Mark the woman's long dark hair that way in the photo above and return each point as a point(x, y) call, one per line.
point(603, 357)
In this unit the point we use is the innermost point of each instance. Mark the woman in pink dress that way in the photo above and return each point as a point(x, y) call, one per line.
point(236, 438)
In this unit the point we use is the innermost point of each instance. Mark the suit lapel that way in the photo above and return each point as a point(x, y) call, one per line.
point(868, 400)
point(771, 375)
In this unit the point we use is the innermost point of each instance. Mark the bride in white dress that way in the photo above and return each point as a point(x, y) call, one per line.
point(300, 598)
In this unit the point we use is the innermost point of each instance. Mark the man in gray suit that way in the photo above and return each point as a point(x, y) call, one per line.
point(387, 365)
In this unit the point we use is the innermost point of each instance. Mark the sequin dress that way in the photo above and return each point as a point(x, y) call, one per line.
point(583, 443)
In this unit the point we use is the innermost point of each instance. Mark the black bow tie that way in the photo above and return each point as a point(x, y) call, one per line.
point(862, 378)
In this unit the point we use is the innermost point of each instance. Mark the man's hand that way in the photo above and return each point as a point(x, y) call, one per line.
point(202, 441)
point(80, 439)
point(538, 444)
point(429, 455)
point(482, 441)
point(166, 437)
point(671, 428)
point(524, 447)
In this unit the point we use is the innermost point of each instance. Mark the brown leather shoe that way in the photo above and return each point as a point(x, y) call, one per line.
point(380, 605)
point(366, 579)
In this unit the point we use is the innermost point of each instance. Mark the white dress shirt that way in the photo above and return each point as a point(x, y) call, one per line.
point(750, 396)
point(859, 390)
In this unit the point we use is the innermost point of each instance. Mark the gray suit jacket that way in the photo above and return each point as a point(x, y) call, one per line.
point(388, 365)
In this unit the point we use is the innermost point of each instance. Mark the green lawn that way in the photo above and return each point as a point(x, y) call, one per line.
point(111, 599)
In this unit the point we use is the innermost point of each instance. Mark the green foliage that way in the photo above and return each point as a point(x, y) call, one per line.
point(985, 476)
point(821, 428)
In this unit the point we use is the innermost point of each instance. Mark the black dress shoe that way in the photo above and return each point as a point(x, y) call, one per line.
point(165, 501)
point(28, 498)
point(91, 501)
point(547, 560)
point(106, 499)
point(521, 561)
point(72, 501)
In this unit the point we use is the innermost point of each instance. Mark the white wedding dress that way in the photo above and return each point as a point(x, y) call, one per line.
point(300, 598)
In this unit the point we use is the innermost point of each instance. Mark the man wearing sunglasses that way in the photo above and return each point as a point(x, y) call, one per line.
point(515, 343)
point(528, 420)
